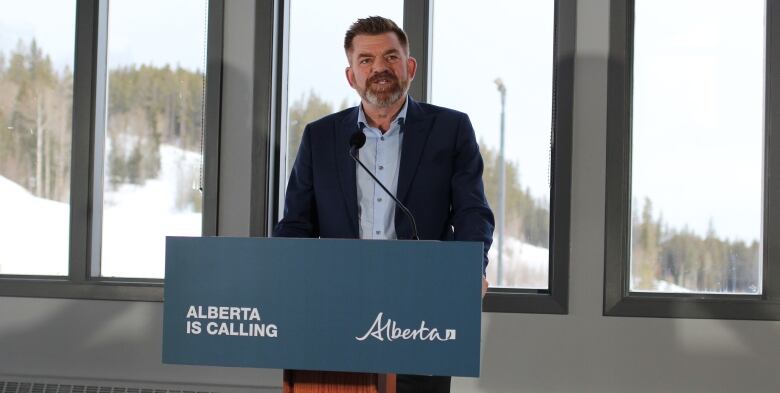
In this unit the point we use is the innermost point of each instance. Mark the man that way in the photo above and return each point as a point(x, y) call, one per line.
point(427, 155)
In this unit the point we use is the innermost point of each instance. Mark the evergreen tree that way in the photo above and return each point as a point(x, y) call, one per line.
point(645, 259)
point(527, 218)
point(153, 106)
point(34, 110)
point(686, 259)
point(302, 112)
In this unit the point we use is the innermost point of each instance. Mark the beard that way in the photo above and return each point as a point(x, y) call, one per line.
point(386, 94)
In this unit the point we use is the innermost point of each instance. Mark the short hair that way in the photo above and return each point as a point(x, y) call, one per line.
point(374, 25)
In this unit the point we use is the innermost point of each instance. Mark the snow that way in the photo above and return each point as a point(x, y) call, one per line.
point(660, 286)
point(136, 219)
point(667, 287)
point(525, 265)
point(33, 233)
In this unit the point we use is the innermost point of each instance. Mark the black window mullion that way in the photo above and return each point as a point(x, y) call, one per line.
point(618, 179)
point(100, 64)
point(82, 155)
point(269, 29)
point(212, 117)
point(418, 25)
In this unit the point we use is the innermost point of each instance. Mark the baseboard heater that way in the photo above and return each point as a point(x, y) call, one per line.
point(41, 387)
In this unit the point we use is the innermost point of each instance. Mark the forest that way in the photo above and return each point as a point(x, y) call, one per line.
point(684, 258)
point(147, 107)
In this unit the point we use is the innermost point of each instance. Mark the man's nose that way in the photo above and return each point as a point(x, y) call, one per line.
point(380, 65)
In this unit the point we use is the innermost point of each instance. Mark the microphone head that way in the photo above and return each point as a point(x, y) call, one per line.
point(357, 140)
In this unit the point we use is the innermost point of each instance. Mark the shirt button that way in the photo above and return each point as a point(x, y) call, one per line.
point(381, 167)
point(379, 199)
point(382, 138)
point(378, 232)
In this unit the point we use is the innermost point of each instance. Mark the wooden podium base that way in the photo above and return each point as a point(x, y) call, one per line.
point(296, 381)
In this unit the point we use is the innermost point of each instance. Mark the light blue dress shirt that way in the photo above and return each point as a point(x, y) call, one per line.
point(382, 155)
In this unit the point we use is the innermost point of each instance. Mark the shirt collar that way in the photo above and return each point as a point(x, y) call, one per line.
point(399, 119)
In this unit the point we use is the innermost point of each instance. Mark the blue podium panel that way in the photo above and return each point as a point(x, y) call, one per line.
point(410, 307)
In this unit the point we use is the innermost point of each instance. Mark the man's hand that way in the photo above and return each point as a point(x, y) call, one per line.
point(484, 286)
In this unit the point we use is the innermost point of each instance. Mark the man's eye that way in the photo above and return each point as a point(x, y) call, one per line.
point(392, 58)
point(365, 61)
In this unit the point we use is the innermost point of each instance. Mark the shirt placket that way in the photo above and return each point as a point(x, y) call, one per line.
point(379, 194)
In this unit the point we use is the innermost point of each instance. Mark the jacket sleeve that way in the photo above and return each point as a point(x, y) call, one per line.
point(300, 208)
point(472, 218)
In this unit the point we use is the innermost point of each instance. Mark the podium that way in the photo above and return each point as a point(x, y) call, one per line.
point(296, 381)
point(336, 315)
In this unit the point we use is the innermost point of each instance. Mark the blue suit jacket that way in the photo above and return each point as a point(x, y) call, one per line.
point(439, 180)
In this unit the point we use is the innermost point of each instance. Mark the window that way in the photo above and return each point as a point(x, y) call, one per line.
point(522, 134)
point(510, 98)
point(534, 277)
point(152, 158)
point(36, 99)
point(687, 184)
point(115, 159)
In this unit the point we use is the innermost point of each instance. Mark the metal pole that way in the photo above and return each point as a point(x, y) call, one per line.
point(501, 186)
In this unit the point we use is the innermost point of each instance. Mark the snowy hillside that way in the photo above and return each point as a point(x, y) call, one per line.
point(136, 219)
point(33, 233)
point(525, 265)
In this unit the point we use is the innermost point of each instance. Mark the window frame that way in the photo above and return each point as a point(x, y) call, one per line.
point(554, 299)
point(618, 299)
point(418, 27)
point(89, 100)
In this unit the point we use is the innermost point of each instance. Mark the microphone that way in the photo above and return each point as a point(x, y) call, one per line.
point(356, 141)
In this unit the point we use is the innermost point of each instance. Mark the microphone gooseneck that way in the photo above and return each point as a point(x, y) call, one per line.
point(356, 141)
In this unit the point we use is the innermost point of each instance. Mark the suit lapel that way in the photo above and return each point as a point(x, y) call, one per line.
point(346, 166)
point(416, 126)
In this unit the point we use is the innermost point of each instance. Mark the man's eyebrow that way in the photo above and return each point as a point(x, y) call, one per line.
point(387, 52)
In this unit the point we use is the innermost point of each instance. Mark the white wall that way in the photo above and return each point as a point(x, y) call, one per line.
point(58, 339)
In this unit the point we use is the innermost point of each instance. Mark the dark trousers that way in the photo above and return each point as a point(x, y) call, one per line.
point(422, 384)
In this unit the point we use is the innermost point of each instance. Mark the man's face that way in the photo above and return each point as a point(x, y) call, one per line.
point(380, 69)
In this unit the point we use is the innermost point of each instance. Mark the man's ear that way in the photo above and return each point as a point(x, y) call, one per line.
point(411, 67)
point(350, 76)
